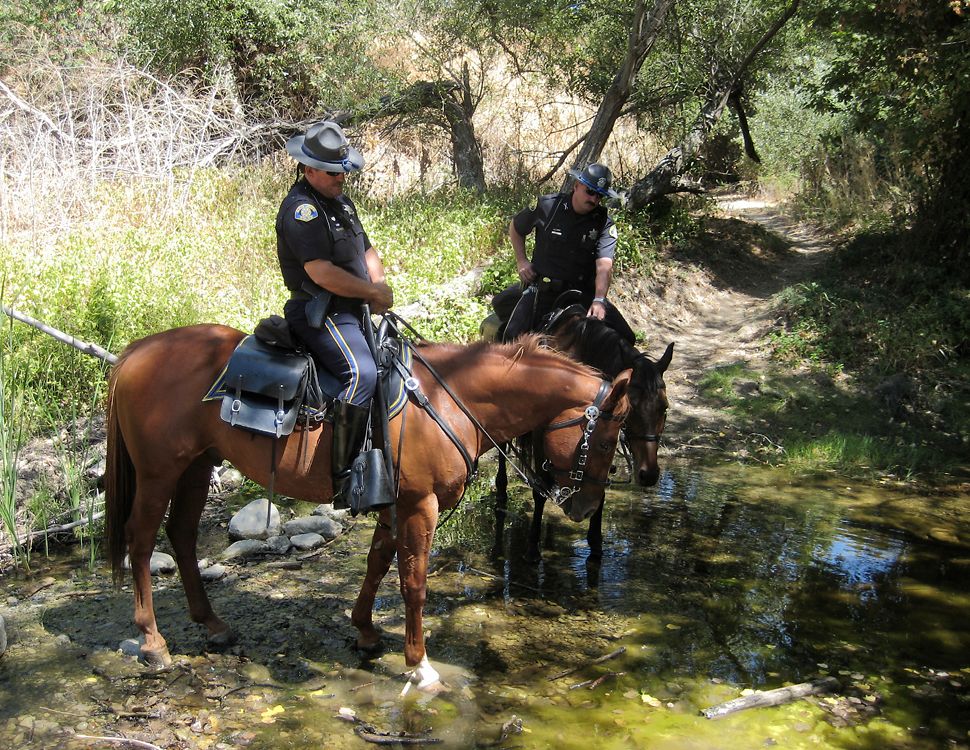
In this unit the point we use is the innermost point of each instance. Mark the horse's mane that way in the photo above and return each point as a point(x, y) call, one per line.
point(531, 346)
point(592, 341)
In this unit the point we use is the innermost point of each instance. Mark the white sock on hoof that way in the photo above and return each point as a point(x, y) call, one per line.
point(422, 676)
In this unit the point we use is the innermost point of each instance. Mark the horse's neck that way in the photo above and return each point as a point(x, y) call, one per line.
point(509, 391)
point(602, 348)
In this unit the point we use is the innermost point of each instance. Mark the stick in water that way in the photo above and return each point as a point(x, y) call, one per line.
point(775, 697)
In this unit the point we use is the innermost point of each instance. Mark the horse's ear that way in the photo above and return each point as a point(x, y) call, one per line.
point(664, 362)
point(621, 384)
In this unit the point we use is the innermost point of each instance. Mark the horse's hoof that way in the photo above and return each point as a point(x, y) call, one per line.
point(370, 649)
point(424, 678)
point(159, 658)
point(221, 641)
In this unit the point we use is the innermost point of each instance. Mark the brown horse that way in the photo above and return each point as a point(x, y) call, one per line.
point(594, 343)
point(163, 441)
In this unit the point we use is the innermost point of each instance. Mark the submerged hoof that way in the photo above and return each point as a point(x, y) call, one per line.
point(370, 647)
point(221, 641)
point(159, 658)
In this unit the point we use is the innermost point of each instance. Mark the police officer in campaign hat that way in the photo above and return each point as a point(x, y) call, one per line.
point(322, 246)
point(575, 240)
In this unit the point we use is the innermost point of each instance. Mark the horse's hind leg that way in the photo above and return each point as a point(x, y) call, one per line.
point(183, 532)
point(379, 558)
point(148, 509)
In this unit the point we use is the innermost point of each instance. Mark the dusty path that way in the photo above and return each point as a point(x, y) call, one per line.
point(717, 305)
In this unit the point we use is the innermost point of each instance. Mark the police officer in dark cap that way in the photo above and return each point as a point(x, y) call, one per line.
point(320, 240)
point(575, 240)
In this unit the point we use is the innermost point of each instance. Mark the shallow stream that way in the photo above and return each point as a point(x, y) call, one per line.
point(720, 580)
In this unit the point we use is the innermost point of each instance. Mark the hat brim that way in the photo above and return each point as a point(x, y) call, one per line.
point(353, 161)
point(608, 193)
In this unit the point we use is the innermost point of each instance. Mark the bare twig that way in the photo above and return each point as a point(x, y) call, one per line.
point(120, 740)
point(595, 683)
point(482, 573)
point(598, 660)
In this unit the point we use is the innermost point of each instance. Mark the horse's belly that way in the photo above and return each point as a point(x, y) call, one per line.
point(302, 471)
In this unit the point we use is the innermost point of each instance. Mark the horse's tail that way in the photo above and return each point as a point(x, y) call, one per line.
point(119, 487)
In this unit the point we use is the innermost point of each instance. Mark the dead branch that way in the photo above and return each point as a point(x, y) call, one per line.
point(598, 660)
point(775, 697)
point(93, 349)
point(595, 683)
point(120, 740)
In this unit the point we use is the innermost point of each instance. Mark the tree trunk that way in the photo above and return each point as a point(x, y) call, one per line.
point(466, 152)
point(667, 176)
point(643, 34)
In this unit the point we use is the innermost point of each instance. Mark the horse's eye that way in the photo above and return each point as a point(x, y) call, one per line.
point(605, 446)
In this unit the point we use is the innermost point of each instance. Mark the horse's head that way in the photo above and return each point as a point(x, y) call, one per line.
point(648, 415)
point(579, 446)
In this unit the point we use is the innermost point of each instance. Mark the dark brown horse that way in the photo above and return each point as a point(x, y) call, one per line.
point(592, 342)
point(163, 441)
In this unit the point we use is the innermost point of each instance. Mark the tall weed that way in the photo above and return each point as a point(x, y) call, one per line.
point(11, 440)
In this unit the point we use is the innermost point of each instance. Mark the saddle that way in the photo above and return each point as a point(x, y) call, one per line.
point(271, 384)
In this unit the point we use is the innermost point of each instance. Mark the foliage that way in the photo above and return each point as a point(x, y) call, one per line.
point(291, 57)
point(12, 433)
point(824, 423)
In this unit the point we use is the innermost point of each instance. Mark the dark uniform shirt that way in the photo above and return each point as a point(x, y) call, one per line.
point(312, 227)
point(567, 244)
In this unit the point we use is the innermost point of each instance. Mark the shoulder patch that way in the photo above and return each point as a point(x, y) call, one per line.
point(306, 212)
point(613, 232)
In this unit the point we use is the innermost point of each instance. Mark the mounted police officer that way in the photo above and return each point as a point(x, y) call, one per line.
point(322, 246)
point(575, 240)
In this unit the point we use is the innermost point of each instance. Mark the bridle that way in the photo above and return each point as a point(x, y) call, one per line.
point(647, 437)
point(577, 474)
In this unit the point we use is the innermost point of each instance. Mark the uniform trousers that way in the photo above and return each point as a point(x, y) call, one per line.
point(339, 346)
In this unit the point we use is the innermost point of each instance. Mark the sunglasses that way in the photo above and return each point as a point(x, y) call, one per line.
point(335, 174)
point(592, 193)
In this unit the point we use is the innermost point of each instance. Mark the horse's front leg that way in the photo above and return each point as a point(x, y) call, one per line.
point(535, 530)
point(379, 559)
point(413, 550)
point(594, 535)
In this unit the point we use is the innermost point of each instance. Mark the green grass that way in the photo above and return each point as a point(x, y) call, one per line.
point(816, 422)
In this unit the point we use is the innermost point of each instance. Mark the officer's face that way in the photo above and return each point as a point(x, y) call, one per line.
point(328, 184)
point(584, 199)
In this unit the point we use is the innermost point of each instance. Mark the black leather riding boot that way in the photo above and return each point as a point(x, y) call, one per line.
point(349, 431)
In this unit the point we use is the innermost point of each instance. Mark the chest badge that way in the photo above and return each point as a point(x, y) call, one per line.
point(306, 212)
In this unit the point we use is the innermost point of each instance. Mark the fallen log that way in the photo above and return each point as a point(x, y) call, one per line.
point(776, 697)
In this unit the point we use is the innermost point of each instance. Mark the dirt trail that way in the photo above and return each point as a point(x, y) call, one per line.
point(717, 303)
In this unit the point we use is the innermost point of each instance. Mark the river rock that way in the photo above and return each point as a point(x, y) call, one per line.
point(306, 541)
point(325, 526)
point(3, 636)
point(328, 511)
point(278, 545)
point(250, 522)
point(160, 563)
point(212, 572)
point(244, 548)
point(131, 647)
